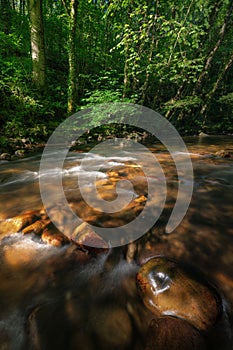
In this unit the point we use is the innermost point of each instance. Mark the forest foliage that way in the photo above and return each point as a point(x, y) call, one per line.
point(172, 56)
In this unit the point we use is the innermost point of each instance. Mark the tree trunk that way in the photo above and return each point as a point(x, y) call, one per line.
point(73, 80)
point(126, 73)
point(216, 84)
point(22, 8)
point(5, 16)
point(37, 42)
point(175, 98)
point(179, 33)
point(185, 86)
point(215, 48)
point(13, 5)
point(146, 82)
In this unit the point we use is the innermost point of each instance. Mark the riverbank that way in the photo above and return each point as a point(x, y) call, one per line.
point(15, 148)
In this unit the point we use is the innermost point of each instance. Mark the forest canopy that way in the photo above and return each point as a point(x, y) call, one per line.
point(58, 57)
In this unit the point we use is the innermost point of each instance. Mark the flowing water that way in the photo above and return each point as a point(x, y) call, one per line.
point(61, 298)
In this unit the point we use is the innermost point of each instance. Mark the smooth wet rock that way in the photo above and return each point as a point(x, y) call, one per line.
point(171, 333)
point(166, 289)
point(17, 223)
point(37, 227)
point(43, 213)
point(87, 238)
point(53, 236)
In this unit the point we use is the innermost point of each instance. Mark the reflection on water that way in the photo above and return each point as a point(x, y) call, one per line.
point(60, 298)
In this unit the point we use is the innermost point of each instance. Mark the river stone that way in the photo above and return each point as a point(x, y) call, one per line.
point(202, 134)
point(20, 153)
point(166, 289)
point(223, 154)
point(17, 223)
point(111, 326)
point(45, 326)
point(87, 238)
point(51, 235)
point(5, 156)
point(37, 227)
point(171, 333)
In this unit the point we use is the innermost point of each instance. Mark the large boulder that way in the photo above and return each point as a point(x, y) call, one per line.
point(167, 289)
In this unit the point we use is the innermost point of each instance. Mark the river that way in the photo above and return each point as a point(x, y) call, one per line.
point(60, 297)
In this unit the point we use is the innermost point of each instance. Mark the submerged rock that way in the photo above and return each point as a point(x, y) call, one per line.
point(111, 326)
point(171, 333)
point(223, 154)
point(166, 289)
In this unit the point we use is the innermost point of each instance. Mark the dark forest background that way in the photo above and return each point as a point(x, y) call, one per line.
point(58, 57)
